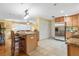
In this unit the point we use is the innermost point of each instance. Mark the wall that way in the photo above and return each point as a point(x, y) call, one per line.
point(44, 30)
point(52, 28)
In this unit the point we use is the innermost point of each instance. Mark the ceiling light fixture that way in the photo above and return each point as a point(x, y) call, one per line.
point(25, 17)
point(26, 14)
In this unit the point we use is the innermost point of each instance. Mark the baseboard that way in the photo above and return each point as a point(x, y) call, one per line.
point(59, 40)
point(44, 38)
point(52, 37)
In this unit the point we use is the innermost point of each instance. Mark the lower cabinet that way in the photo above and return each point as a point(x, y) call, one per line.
point(73, 50)
point(23, 44)
point(31, 43)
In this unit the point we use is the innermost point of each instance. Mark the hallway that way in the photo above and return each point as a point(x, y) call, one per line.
point(50, 47)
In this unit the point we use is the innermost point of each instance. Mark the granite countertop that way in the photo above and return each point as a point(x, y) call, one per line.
point(25, 33)
point(74, 41)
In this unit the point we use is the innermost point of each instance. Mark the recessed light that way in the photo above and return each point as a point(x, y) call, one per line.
point(53, 16)
point(54, 4)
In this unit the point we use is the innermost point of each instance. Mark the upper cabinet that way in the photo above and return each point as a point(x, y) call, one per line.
point(75, 20)
point(72, 20)
point(1, 25)
point(68, 20)
point(59, 19)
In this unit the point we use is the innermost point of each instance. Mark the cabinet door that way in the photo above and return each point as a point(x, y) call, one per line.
point(61, 19)
point(1, 25)
point(57, 19)
point(36, 40)
point(30, 43)
point(78, 20)
point(2, 50)
point(75, 20)
point(73, 50)
point(68, 20)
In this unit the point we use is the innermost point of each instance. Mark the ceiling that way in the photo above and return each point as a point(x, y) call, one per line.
point(46, 10)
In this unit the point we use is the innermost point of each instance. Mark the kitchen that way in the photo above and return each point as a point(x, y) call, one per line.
point(30, 31)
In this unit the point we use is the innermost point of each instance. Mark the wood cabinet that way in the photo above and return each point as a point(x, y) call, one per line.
point(78, 20)
point(72, 20)
point(2, 25)
point(27, 43)
point(31, 43)
point(59, 19)
point(71, 23)
point(73, 50)
point(68, 20)
point(2, 50)
point(75, 20)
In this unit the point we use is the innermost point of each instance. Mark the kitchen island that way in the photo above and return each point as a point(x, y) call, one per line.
point(28, 41)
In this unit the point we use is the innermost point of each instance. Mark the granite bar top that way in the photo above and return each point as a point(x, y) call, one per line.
point(25, 33)
point(74, 41)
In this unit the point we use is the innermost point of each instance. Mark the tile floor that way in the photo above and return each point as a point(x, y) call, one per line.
point(50, 47)
point(60, 37)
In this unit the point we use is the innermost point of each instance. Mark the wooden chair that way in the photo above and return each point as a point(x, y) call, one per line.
point(15, 44)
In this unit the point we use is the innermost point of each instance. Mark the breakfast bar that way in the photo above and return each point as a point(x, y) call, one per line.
point(28, 41)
